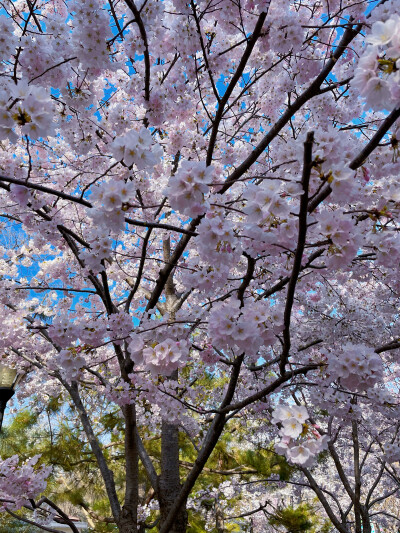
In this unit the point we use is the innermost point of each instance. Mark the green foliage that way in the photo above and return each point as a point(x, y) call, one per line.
point(294, 519)
point(76, 481)
point(326, 527)
point(9, 524)
point(267, 462)
point(302, 518)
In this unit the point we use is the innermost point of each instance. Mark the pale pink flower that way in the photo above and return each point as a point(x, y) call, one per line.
point(291, 428)
point(382, 32)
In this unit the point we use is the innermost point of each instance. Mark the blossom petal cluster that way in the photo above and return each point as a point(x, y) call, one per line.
point(88, 34)
point(244, 329)
point(377, 77)
point(392, 452)
point(26, 110)
point(300, 443)
point(137, 148)
point(100, 247)
point(109, 215)
point(159, 358)
point(356, 366)
point(120, 325)
point(20, 482)
point(69, 363)
point(204, 277)
point(217, 242)
point(189, 186)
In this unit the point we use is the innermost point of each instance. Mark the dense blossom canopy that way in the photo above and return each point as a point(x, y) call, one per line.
point(200, 217)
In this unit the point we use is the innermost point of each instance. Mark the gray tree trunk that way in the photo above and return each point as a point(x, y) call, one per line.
point(169, 483)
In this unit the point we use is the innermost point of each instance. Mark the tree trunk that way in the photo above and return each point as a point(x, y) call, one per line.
point(219, 517)
point(366, 523)
point(357, 476)
point(127, 522)
point(169, 484)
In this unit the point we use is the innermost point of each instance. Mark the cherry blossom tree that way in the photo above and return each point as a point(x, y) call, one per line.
point(200, 213)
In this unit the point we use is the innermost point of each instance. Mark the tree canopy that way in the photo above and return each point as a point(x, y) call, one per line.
point(199, 264)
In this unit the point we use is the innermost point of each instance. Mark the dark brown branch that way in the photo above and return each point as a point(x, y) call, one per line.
point(248, 513)
point(376, 139)
point(313, 343)
point(131, 500)
point(301, 241)
point(166, 271)
point(139, 272)
point(114, 16)
point(251, 263)
point(32, 12)
point(309, 93)
point(52, 67)
point(334, 85)
point(394, 345)
point(235, 78)
point(284, 281)
point(30, 185)
point(65, 517)
point(196, 18)
point(216, 429)
point(321, 496)
point(30, 522)
point(95, 445)
point(360, 159)
point(147, 463)
point(269, 389)
point(107, 300)
point(143, 35)
point(170, 227)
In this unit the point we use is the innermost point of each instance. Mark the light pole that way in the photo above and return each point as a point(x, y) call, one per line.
point(9, 378)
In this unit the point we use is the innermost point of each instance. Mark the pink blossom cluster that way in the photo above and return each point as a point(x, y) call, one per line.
point(204, 277)
point(25, 110)
point(217, 242)
point(209, 356)
point(20, 194)
point(286, 33)
point(188, 187)
point(300, 442)
point(377, 77)
point(109, 199)
point(62, 331)
point(91, 332)
point(8, 40)
point(392, 452)
point(244, 329)
point(267, 207)
point(137, 148)
point(120, 325)
point(69, 363)
point(100, 246)
point(159, 357)
point(88, 35)
point(345, 243)
point(356, 366)
point(387, 248)
point(120, 393)
point(21, 482)
point(265, 202)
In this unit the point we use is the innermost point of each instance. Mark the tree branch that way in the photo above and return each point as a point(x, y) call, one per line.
point(309, 93)
point(301, 241)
